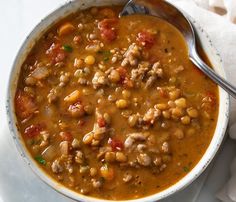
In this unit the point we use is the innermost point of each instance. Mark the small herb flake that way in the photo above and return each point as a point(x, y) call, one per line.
point(186, 169)
point(67, 48)
point(32, 142)
point(40, 159)
point(102, 180)
point(106, 59)
point(106, 54)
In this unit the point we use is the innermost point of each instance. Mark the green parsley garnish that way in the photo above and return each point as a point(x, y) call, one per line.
point(32, 142)
point(67, 48)
point(102, 180)
point(40, 159)
point(106, 59)
point(106, 54)
point(186, 169)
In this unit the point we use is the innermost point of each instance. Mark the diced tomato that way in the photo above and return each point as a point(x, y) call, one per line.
point(66, 136)
point(56, 53)
point(211, 97)
point(101, 122)
point(124, 77)
point(128, 83)
point(60, 56)
point(108, 34)
point(107, 172)
point(116, 145)
point(81, 123)
point(123, 73)
point(146, 39)
point(77, 39)
point(33, 130)
point(24, 104)
point(163, 93)
point(107, 29)
point(208, 101)
point(107, 23)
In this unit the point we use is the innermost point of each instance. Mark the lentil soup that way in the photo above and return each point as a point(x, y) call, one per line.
point(112, 107)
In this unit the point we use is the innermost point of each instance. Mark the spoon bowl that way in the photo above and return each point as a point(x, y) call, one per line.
point(169, 13)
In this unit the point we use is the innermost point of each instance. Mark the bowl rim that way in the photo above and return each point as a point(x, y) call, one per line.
point(179, 185)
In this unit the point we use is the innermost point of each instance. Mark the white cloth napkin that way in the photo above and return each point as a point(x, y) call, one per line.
point(228, 192)
point(223, 34)
point(223, 7)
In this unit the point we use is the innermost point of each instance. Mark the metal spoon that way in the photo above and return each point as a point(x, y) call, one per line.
point(171, 14)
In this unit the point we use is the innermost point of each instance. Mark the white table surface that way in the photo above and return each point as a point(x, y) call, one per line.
point(17, 182)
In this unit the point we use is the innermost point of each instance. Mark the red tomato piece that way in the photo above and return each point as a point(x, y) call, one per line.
point(77, 39)
point(101, 122)
point(107, 23)
point(146, 39)
point(123, 73)
point(124, 77)
point(81, 123)
point(211, 97)
point(107, 29)
point(128, 83)
point(33, 130)
point(24, 104)
point(108, 35)
point(66, 136)
point(163, 93)
point(56, 53)
point(116, 145)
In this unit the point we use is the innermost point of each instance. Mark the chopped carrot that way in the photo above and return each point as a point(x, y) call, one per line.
point(65, 29)
point(107, 172)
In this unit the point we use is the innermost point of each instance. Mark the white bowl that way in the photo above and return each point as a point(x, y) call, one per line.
point(29, 42)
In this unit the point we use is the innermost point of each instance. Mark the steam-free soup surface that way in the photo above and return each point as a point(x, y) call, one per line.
point(112, 107)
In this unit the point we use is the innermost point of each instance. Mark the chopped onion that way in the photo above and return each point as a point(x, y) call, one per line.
point(64, 147)
point(50, 152)
point(40, 73)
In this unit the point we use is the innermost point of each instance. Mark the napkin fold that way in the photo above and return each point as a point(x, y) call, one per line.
point(226, 8)
point(228, 192)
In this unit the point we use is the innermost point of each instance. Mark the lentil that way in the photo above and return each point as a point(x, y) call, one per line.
point(192, 112)
point(120, 157)
point(89, 60)
point(181, 102)
point(185, 120)
point(121, 104)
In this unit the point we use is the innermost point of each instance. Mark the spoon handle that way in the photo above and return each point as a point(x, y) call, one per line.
point(228, 87)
